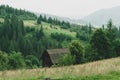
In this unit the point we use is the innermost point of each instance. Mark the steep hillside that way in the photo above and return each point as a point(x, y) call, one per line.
point(49, 28)
point(100, 70)
point(100, 17)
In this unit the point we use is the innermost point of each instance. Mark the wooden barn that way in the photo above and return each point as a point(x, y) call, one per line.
point(51, 56)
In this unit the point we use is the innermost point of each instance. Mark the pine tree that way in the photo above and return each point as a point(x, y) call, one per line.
point(39, 20)
point(90, 29)
point(41, 31)
point(22, 27)
point(110, 31)
point(45, 19)
point(101, 43)
point(50, 20)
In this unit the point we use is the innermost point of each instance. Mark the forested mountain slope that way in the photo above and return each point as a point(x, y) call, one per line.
point(22, 14)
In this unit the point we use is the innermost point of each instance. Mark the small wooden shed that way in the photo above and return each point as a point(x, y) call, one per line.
point(51, 56)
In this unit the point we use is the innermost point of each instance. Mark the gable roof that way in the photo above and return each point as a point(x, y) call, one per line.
point(55, 54)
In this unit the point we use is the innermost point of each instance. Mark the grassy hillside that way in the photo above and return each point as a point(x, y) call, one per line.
point(100, 70)
point(47, 29)
point(46, 26)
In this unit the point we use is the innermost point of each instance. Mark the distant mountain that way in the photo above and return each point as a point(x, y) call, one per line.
point(101, 17)
point(97, 18)
point(73, 21)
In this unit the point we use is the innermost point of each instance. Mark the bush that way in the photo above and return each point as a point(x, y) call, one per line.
point(90, 54)
point(76, 50)
point(32, 61)
point(66, 59)
point(61, 37)
point(3, 61)
point(16, 61)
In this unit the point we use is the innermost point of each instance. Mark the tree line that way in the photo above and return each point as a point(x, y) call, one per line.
point(22, 14)
point(60, 37)
point(53, 21)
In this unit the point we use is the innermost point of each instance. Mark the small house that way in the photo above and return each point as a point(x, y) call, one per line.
point(51, 56)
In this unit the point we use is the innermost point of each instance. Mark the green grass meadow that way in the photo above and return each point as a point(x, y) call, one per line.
point(99, 70)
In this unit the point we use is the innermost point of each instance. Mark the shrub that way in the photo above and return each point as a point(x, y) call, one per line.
point(66, 59)
point(16, 60)
point(32, 61)
point(90, 54)
point(3, 60)
point(76, 50)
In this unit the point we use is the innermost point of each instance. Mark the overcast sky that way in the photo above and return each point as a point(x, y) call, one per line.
point(66, 8)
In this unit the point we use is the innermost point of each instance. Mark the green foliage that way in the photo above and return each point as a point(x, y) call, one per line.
point(3, 61)
point(65, 25)
point(16, 38)
point(39, 33)
point(14, 31)
point(66, 59)
point(13, 60)
point(117, 46)
point(16, 60)
point(39, 19)
point(101, 44)
point(22, 14)
point(32, 61)
point(104, 43)
point(50, 20)
point(53, 21)
point(110, 31)
point(83, 32)
point(90, 54)
point(82, 36)
point(60, 37)
point(76, 50)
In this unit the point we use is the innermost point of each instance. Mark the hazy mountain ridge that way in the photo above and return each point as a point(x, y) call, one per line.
point(101, 17)
point(73, 21)
point(97, 18)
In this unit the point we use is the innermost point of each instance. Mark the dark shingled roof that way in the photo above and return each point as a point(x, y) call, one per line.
point(56, 53)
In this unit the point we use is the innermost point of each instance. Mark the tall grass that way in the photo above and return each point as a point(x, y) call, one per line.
point(90, 71)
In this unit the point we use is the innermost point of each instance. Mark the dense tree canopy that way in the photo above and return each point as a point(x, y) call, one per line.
point(76, 50)
point(101, 43)
point(22, 14)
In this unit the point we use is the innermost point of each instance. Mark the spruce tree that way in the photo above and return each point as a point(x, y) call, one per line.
point(101, 43)
point(39, 20)
point(110, 31)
